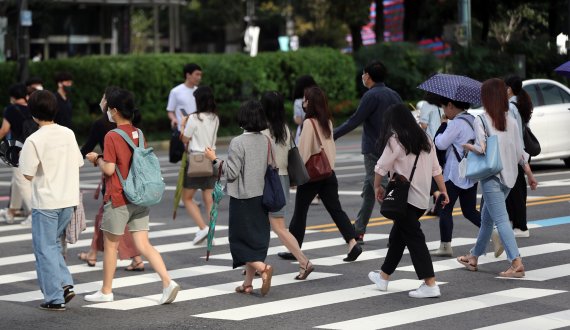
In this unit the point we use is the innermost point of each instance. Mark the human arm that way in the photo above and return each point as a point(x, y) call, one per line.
point(107, 168)
point(531, 180)
point(480, 138)
point(93, 138)
point(446, 134)
point(29, 161)
point(189, 127)
point(4, 129)
point(298, 112)
point(378, 189)
point(367, 105)
point(171, 109)
point(233, 166)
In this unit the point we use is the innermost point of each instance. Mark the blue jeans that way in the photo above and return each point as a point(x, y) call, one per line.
point(494, 212)
point(47, 227)
point(368, 199)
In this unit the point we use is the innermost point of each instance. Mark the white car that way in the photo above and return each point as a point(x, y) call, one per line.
point(550, 120)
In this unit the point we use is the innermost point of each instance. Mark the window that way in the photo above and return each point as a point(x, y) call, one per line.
point(552, 94)
point(532, 92)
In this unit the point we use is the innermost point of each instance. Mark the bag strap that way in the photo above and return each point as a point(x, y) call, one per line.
point(269, 152)
point(131, 144)
point(414, 168)
point(317, 132)
point(292, 143)
point(470, 125)
point(484, 125)
point(215, 130)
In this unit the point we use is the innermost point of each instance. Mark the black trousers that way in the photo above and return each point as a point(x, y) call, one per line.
point(516, 202)
point(468, 200)
point(407, 232)
point(327, 190)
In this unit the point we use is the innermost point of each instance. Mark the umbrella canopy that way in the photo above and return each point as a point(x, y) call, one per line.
point(179, 183)
point(454, 87)
point(217, 195)
point(564, 69)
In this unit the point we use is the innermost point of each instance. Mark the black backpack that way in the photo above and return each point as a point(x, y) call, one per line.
point(29, 126)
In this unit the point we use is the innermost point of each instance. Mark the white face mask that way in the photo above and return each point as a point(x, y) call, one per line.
point(109, 116)
point(39, 87)
point(364, 82)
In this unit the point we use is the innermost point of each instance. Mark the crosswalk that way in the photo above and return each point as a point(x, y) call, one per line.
point(21, 286)
point(321, 301)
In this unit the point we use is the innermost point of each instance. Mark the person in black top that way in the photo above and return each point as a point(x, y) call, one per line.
point(64, 82)
point(14, 116)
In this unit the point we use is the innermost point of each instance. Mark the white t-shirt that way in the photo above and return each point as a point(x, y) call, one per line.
point(181, 97)
point(202, 133)
point(51, 155)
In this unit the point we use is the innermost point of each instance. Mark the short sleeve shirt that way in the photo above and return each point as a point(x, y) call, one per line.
point(15, 115)
point(118, 152)
point(181, 97)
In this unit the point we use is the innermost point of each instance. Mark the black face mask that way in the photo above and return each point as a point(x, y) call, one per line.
point(68, 89)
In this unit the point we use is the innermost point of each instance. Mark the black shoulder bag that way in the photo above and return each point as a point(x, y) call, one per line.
point(395, 204)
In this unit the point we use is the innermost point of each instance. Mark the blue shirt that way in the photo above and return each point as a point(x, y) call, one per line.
point(370, 112)
point(457, 133)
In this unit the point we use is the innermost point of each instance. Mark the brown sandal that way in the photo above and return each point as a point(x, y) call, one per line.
point(134, 267)
point(83, 257)
point(469, 261)
point(245, 289)
point(268, 272)
point(516, 272)
point(305, 271)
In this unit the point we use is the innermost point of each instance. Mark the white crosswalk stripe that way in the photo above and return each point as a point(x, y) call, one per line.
point(543, 322)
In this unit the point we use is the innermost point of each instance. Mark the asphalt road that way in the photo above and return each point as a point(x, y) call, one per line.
point(337, 295)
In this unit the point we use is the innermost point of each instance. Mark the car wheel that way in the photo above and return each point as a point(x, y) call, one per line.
point(567, 161)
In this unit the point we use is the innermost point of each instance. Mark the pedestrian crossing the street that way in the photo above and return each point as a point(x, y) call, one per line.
point(223, 279)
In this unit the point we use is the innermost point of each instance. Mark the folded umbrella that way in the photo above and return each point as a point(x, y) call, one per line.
point(454, 87)
point(217, 195)
point(564, 69)
point(179, 183)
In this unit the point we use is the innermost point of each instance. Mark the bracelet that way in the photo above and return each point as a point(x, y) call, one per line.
point(97, 159)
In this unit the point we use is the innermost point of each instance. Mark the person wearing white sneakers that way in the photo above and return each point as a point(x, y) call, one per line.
point(118, 211)
point(403, 146)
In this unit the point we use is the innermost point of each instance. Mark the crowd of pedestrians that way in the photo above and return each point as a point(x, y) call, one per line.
point(45, 185)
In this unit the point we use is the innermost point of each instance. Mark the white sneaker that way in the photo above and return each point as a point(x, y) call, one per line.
point(169, 293)
point(497, 244)
point(99, 297)
point(181, 203)
point(6, 216)
point(381, 283)
point(425, 291)
point(200, 235)
point(27, 222)
point(521, 233)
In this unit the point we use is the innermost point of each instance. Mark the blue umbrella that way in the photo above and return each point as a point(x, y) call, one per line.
point(564, 69)
point(454, 87)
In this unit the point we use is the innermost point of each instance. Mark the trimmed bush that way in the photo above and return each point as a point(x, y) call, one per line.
point(234, 78)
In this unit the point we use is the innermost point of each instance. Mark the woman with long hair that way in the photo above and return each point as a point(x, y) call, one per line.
point(118, 211)
point(200, 131)
point(279, 133)
point(245, 171)
point(403, 146)
point(519, 102)
point(495, 188)
point(318, 121)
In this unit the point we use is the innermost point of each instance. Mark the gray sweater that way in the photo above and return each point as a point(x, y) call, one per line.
point(246, 165)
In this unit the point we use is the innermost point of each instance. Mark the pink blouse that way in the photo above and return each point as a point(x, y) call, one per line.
point(394, 159)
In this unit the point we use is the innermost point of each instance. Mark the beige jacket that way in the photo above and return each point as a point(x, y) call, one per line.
point(308, 144)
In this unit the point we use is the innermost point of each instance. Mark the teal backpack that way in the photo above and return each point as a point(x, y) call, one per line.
point(144, 186)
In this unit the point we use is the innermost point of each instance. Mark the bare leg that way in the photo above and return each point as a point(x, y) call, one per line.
point(208, 201)
point(278, 226)
point(111, 242)
point(151, 254)
point(191, 207)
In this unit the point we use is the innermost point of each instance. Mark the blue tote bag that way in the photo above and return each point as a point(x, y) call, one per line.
point(485, 165)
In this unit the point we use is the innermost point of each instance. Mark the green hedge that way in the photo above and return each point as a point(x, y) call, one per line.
point(234, 78)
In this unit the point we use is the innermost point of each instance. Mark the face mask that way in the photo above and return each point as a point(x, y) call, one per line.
point(364, 83)
point(39, 87)
point(109, 116)
point(67, 89)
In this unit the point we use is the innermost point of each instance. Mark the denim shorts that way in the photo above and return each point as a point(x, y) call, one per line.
point(115, 219)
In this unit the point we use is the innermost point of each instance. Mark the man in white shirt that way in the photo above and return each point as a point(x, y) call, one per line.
point(181, 99)
point(50, 158)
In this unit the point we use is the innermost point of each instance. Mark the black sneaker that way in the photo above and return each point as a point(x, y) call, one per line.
point(68, 293)
point(52, 307)
point(286, 255)
point(360, 238)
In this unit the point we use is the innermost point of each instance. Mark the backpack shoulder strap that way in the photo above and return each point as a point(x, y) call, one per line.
point(128, 139)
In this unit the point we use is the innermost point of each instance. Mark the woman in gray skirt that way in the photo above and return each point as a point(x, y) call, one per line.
point(248, 219)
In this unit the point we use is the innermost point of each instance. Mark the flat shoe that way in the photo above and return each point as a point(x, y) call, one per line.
point(286, 255)
point(245, 289)
point(83, 257)
point(353, 254)
point(305, 271)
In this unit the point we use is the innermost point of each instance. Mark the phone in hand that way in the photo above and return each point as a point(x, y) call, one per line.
point(183, 112)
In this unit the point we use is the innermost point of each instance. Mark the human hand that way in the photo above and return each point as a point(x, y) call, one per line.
point(445, 200)
point(379, 194)
point(532, 182)
point(210, 154)
point(92, 157)
point(174, 123)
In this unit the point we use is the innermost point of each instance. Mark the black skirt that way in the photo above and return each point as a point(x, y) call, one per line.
point(248, 230)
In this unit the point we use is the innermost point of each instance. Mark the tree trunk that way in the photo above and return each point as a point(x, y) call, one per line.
point(356, 38)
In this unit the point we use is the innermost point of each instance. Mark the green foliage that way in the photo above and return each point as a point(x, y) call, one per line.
point(408, 66)
point(233, 77)
point(480, 63)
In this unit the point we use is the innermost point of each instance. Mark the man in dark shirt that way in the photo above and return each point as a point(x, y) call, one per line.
point(369, 113)
point(12, 128)
point(64, 82)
